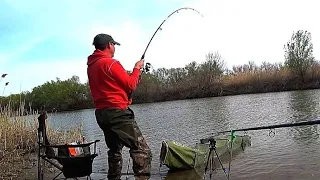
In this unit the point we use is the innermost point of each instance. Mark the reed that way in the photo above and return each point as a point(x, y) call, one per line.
point(18, 138)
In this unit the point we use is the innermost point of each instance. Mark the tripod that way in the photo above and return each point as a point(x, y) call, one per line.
point(210, 160)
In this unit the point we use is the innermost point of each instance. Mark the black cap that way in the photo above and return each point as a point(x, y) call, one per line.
point(102, 39)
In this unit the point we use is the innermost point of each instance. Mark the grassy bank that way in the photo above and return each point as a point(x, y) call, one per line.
point(18, 140)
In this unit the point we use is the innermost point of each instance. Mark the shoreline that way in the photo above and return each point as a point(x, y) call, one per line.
point(192, 98)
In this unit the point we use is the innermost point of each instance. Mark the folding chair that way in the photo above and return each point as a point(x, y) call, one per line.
point(71, 165)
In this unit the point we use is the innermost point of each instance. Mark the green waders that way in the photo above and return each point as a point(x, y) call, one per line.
point(120, 129)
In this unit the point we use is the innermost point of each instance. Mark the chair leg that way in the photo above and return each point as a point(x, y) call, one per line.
point(41, 160)
point(57, 176)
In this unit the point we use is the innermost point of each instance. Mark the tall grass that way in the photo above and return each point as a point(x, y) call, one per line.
point(18, 137)
point(273, 79)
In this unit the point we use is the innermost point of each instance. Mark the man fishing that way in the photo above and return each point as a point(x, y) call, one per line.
point(110, 86)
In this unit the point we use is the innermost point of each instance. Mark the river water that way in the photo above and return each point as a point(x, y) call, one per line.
point(292, 153)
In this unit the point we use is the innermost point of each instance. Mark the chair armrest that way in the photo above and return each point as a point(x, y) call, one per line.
point(72, 145)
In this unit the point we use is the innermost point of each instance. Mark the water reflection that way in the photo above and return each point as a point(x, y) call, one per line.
point(211, 115)
point(193, 174)
point(304, 107)
point(294, 151)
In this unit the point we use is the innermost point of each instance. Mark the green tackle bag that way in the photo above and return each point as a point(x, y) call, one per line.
point(177, 156)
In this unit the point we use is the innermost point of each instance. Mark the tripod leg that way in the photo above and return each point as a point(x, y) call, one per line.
point(206, 168)
point(211, 166)
point(214, 167)
point(224, 170)
point(210, 163)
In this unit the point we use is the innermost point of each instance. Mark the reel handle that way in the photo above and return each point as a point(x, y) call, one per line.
point(147, 65)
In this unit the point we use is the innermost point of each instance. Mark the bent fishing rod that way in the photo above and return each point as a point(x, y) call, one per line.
point(304, 123)
point(147, 65)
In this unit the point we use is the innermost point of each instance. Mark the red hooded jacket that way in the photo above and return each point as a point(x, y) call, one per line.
point(109, 82)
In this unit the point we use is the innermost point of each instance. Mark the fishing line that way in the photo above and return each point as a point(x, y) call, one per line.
point(147, 65)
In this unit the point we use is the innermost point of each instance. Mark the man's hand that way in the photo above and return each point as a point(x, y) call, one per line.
point(139, 64)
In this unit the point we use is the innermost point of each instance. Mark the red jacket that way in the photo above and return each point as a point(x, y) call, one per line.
point(109, 82)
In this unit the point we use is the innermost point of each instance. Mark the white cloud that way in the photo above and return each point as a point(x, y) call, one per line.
point(241, 31)
point(167, 49)
point(180, 41)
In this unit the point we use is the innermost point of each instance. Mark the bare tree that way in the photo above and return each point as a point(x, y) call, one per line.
point(298, 53)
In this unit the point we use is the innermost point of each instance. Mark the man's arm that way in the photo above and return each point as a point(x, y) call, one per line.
point(119, 74)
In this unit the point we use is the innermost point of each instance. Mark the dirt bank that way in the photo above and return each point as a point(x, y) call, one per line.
point(23, 167)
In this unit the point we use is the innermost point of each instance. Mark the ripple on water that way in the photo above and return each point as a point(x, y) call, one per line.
point(293, 153)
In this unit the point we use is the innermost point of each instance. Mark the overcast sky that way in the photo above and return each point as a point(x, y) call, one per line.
point(41, 39)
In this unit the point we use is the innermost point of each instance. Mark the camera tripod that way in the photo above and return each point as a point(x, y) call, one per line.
point(210, 161)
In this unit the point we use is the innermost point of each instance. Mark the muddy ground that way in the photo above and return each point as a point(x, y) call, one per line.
point(23, 167)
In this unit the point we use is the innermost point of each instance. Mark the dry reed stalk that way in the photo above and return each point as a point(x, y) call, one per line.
point(261, 76)
point(18, 136)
